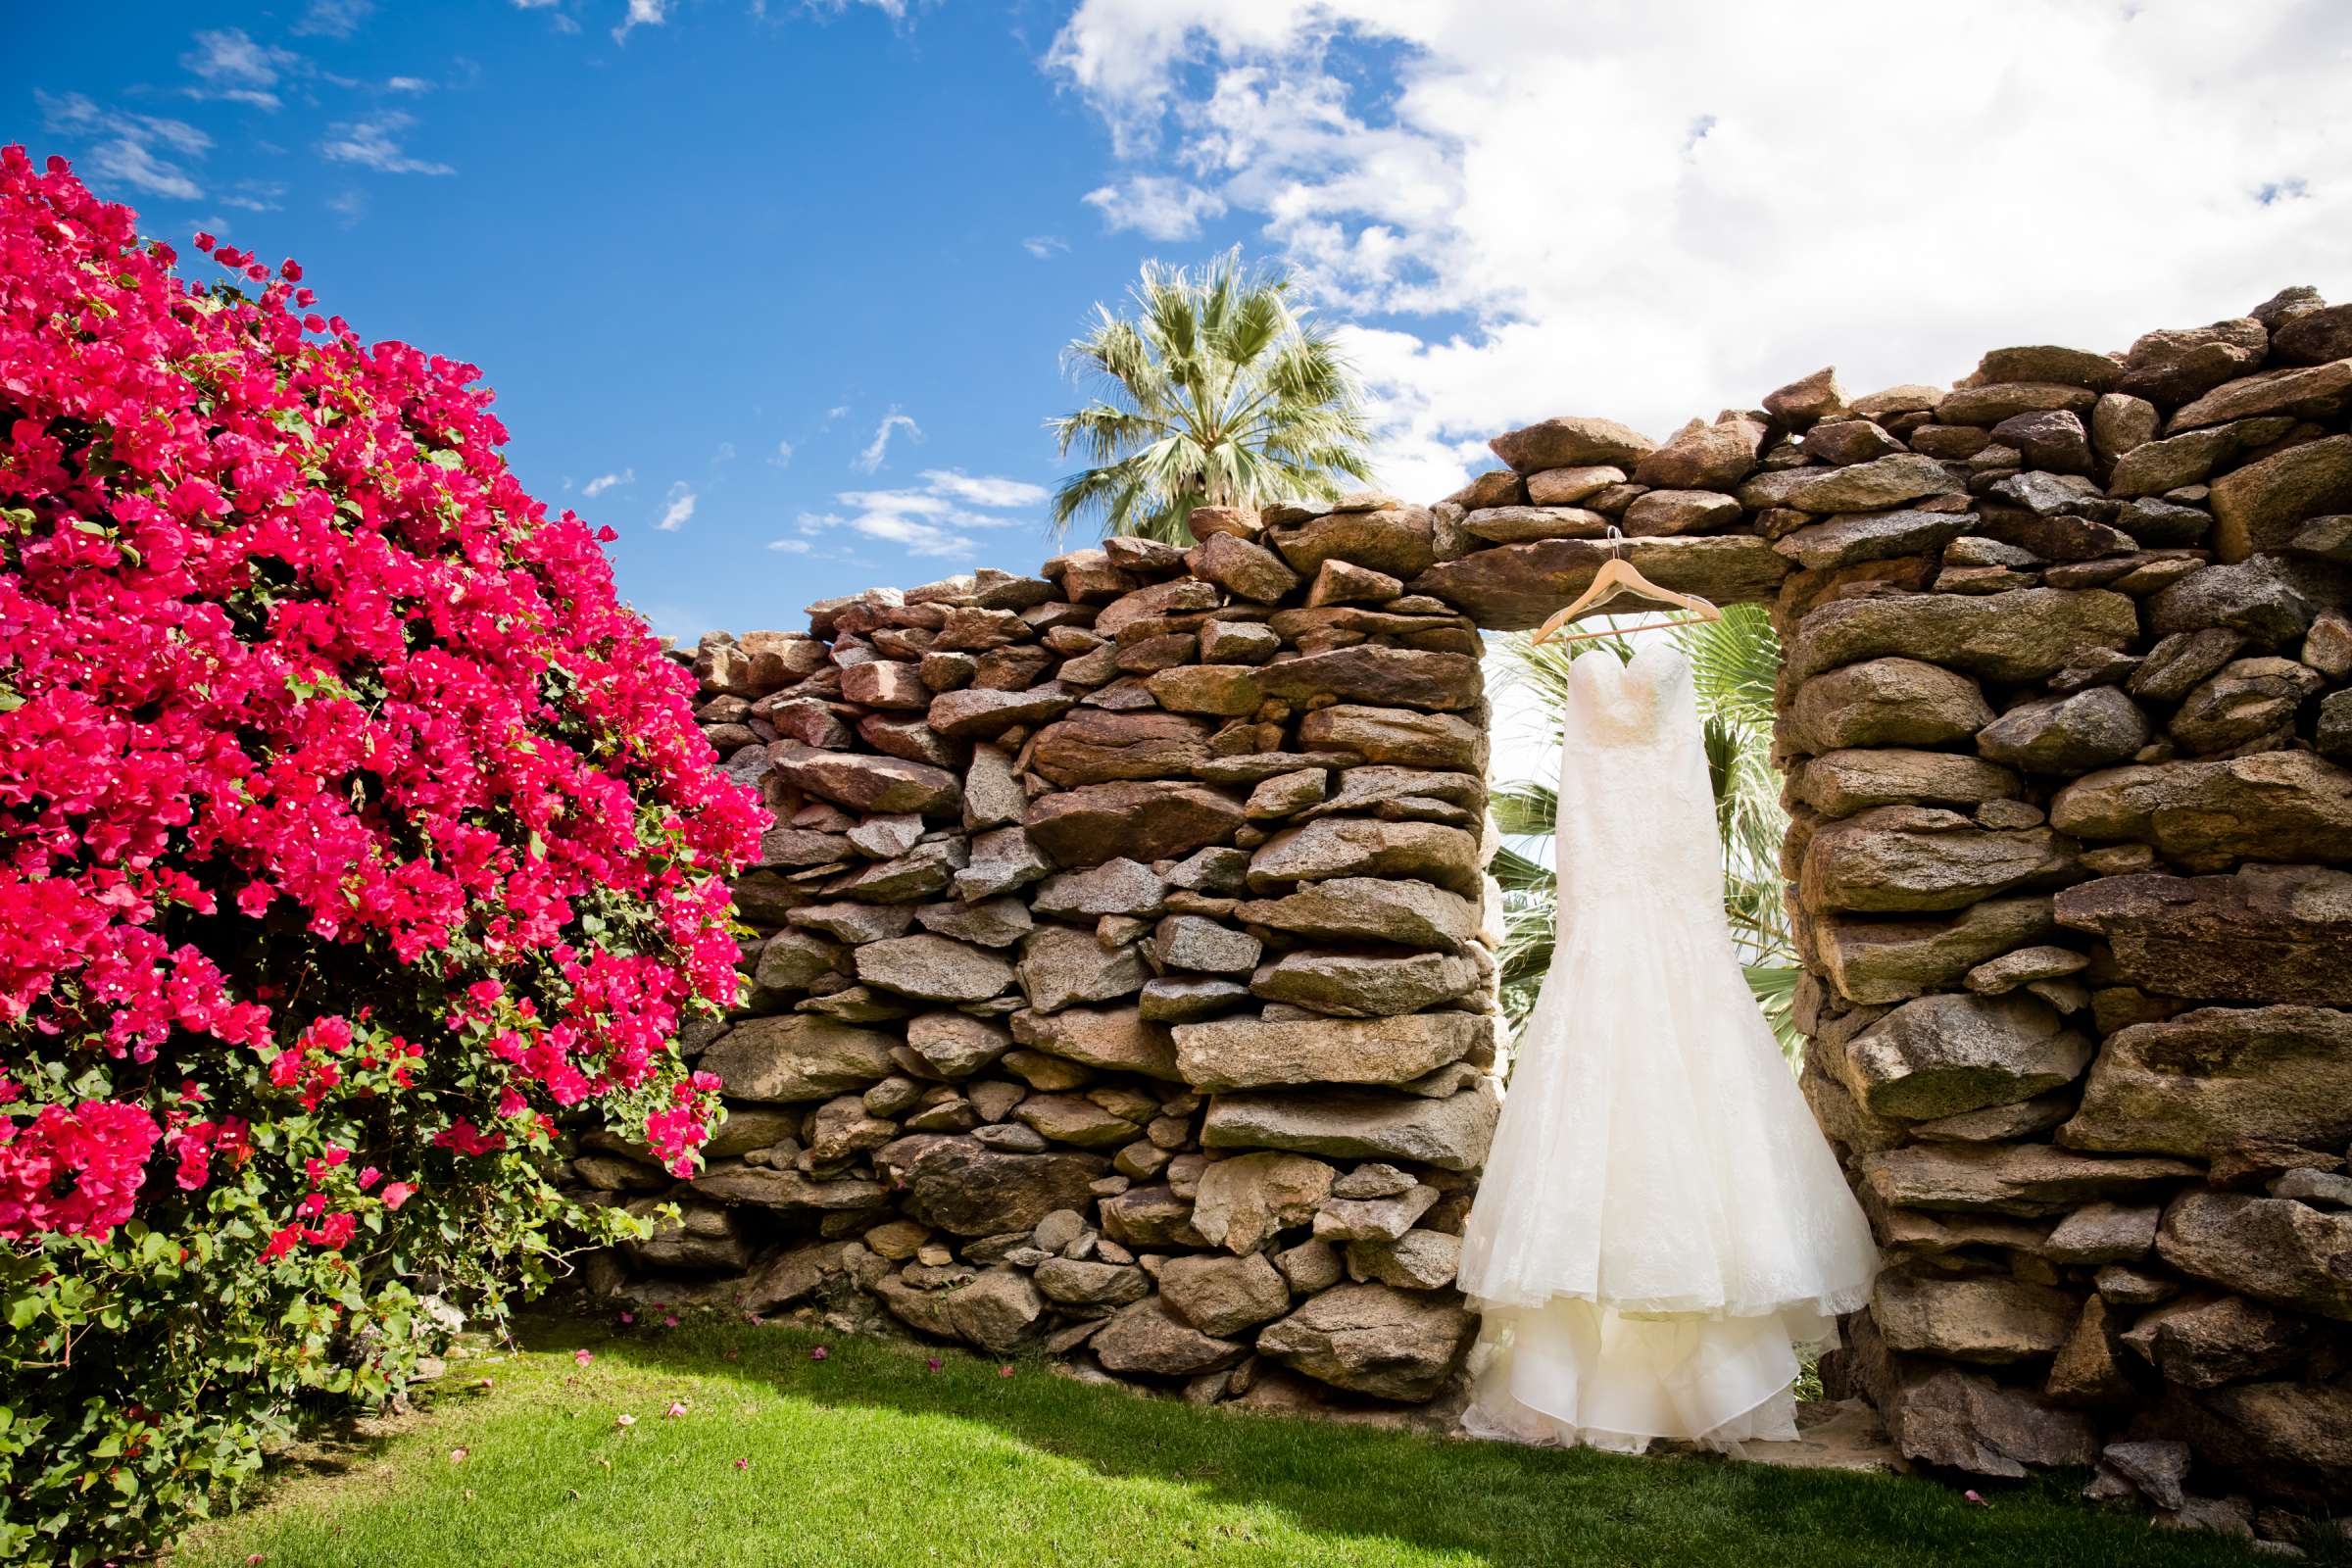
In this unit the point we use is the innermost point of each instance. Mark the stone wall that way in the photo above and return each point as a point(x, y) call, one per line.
point(1124, 976)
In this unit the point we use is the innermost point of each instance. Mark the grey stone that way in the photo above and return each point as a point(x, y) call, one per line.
point(1886, 702)
point(1361, 985)
point(1943, 1054)
point(961, 1186)
point(1373, 1339)
point(933, 968)
point(1151, 1339)
point(798, 1057)
point(1451, 1134)
point(2216, 1078)
point(2027, 635)
point(2089, 729)
point(1220, 1294)
point(2271, 1249)
point(2021, 1179)
point(1351, 847)
point(1988, 1319)
point(2270, 805)
point(1407, 914)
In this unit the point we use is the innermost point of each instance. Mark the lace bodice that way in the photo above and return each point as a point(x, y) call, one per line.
point(1637, 810)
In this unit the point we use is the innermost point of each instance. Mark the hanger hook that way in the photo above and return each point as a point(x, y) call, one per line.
point(1615, 540)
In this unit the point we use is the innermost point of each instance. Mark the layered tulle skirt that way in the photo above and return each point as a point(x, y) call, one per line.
point(1660, 1227)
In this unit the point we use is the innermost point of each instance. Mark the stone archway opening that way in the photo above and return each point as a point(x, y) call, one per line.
point(1121, 976)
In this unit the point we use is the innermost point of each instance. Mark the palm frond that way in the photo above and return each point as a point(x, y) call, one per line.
point(1216, 390)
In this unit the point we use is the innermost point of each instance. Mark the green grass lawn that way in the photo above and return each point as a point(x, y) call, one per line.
point(869, 1458)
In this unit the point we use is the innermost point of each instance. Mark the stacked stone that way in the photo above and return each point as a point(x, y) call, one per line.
point(1122, 980)
point(2065, 723)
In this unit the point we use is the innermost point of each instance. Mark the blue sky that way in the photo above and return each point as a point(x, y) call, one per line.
point(680, 237)
point(675, 254)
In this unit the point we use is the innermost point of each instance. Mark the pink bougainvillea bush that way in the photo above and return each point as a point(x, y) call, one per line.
point(351, 833)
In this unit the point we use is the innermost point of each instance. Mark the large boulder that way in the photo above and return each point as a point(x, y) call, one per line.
point(2203, 1342)
point(1399, 540)
point(1886, 702)
point(1368, 673)
point(1892, 959)
point(1848, 541)
point(965, 1187)
point(1397, 735)
point(1262, 1052)
point(798, 1056)
point(2028, 1180)
point(1943, 1054)
point(996, 1310)
point(1895, 859)
point(2248, 700)
point(1452, 1133)
point(1841, 783)
point(2260, 506)
point(1708, 457)
point(2071, 734)
point(1873, 486)
point(1405, 913)
point(2216, 1078)
point(1150, 1339)
point(2176, 366)
point(1989, 1320)
point(1111, 1038)
point(1938, 1414)
point(873, 785)
point(1061, 966)
point(1514, 587)
point(2027, 635)
point(933, 968)
point(2292, 1440)
point(1242, 1203)
point(2270, 805)
point(1374, 1340)
point(1096, 746)
point(2271, 601)
point(1353, 847)
point(2264, 934)
point(2271, 1249)
point(1137, 819)
point(1357, 985)
point(1570, 442)
point(1220, 1294)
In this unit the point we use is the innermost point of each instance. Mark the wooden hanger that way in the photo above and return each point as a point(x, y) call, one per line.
point(1619, 578)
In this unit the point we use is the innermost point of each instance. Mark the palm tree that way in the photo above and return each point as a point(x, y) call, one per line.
point(1732, 664)
point(1218, 392)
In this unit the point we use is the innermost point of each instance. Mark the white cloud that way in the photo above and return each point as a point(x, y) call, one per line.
point(782, 458)
point(980, 491)
point(937, 518)
point(641, 13)
point(134, 150)
point(1045, 247)
point(606, 481)
point(236, 68)
point(372, 143)
point(680, 508)
point(351, 205)
point(1656, 210)
point(724, 454)
point(870, 458)
point(407, 84)
point(1155, 206)
point(334, 19)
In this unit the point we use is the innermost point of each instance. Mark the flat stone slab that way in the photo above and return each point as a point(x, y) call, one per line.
point(1514, 587)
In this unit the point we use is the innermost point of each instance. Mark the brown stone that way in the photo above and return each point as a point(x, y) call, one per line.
point(797, 1058)
point(1395, 735)
point(2071, 734)
point(2203, 1342)
point(1840, 783)
point(1884, 860)
point(1849, 540)
point(2261, 505)
point(868, 784)
point(1374, 1340)
point(1113, 1038)
point(1515, 587)
point(2174, 367)
point(1553, 487)
point(1390, 677)
point(1995, 404)
point(1989, 1319)
point(1094, 745)
point(2272, 1248)
point(1244, 1201)
point(1244, 569)
point(1222, 1294)
point(1571, 442)
point(2027, 635)
point(2292, 1439)
point(2264, 934)
point(1890, 960)
point(1352, 846)
point(1363, 985)
point(1408, 915)
point(1144, 821)
point(1397, 540)
point(963, 1187)
point(2216, 1078)
point(1148, 1338)
point(1260, 1053)
point(2021, 1179)
point(933, 968)
point(1886, 702)
point(2270, 805)
point(1943, 1054)
point(1451, 1134)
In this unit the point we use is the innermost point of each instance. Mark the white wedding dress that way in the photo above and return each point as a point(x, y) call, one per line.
point(1660, 1224)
